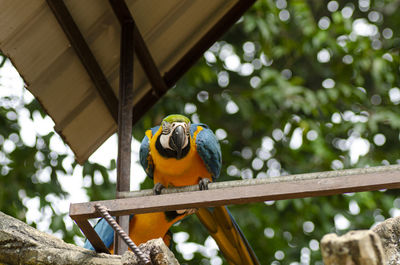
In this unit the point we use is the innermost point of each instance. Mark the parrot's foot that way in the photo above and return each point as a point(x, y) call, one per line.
point(203, 183)
point(158, 187)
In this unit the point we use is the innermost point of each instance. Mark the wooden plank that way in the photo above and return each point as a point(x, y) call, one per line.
point(92, 236)
point(258, 190)
point(125, 108)
point(125, 124)
point(142, 52)
point(124, 112)
point(149, 66)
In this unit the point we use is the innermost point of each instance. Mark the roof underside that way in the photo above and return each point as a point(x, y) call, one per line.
point(176, 33)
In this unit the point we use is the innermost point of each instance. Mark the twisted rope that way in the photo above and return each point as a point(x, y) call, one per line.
point(103, 211)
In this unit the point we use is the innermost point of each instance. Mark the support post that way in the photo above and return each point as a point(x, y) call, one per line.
point(125, 121)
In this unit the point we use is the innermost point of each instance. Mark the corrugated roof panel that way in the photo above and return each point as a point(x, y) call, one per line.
point(32, 38)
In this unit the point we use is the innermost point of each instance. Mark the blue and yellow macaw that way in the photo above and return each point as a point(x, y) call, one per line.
point(178, 153)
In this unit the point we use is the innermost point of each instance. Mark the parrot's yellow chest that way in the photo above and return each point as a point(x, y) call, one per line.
point(178, 172)
point(143, 227)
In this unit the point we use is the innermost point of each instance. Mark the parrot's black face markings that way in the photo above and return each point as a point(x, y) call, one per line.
point(169, 153)
point(174, 140)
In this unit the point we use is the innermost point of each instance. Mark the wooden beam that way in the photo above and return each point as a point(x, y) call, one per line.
point(149, 66)
point(248, 191)
point(124, 111)
point(142, 52)
point(86, 56)
point(92, 236)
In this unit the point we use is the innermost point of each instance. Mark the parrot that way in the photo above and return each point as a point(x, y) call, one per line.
point(174, 154)
point(178, 153)
point(142, 227)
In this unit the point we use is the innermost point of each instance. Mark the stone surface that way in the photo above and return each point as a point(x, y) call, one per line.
point(362, 247)
point(159, 254)
point(389, 233)
point(334, 248)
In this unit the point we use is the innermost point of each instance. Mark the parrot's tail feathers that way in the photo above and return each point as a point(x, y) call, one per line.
point(245, 245)
point(226, 232)
point(168, 239)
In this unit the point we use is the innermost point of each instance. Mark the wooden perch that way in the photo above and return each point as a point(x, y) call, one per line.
point(379, 246)
point(22, 244)
point(245, 191)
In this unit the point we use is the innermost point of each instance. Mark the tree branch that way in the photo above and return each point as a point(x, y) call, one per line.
point(22, 244)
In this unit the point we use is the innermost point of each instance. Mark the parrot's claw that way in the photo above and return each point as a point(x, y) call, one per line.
point(158, 187)
point(203, 183)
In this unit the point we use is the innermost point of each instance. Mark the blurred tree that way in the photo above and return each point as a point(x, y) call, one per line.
point(295, 86)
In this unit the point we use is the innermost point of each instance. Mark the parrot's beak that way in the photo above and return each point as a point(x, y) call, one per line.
point(177, 140)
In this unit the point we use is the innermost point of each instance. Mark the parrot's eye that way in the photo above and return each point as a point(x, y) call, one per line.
point(166, 127)
point(188, 129)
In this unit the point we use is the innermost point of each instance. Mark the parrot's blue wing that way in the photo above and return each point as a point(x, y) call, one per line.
point(208, 148)
point(105, 232)
point(144, 153)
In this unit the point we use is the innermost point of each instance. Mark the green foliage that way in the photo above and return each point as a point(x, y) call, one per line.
point(295, 86)
point(328, 76)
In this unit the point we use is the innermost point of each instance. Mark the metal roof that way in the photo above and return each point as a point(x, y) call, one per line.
point(68, 55)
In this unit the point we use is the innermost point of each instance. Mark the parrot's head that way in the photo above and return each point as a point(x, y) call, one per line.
point(174, 140)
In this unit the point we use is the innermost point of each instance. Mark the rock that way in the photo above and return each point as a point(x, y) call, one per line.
point(159, 254)
point(362, 247)
point(389, 232)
